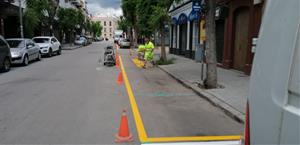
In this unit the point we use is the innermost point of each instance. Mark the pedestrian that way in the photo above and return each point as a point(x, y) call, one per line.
point(149, 52)
point(141, 52)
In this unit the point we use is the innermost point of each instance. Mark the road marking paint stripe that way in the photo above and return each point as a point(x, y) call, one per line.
point(196, 138)
point(136, 114)
point(141, 129)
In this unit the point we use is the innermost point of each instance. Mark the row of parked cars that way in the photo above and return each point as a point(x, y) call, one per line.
point(86, 40)
point(23, 50)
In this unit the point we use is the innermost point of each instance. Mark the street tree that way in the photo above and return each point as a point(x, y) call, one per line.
point(129, 8)
point(123, 24)
point(211, 59)
point(68, 20)
point(96, 28)
point(46, 11)
point(159, 18)
point(31, 21)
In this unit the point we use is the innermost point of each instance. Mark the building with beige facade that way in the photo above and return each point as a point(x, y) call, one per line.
point(109, 24)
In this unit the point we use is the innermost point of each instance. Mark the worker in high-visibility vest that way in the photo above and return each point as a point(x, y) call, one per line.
point(149, 52)
point(141, 52)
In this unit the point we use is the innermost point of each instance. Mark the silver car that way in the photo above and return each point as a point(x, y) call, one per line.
point(81, 41)
point(23, 51)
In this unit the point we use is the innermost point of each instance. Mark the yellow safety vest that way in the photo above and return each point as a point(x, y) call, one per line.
point(148, 52)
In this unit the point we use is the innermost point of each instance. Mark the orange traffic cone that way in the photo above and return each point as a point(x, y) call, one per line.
point(124, 135)
point(120, 79)
point(117, 61)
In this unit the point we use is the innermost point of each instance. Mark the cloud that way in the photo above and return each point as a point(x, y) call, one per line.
point(104, 7)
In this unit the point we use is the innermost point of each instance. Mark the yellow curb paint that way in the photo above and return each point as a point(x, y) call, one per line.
point(136, 114)
point(190, 139)
point(141, 129)
point(138, 62)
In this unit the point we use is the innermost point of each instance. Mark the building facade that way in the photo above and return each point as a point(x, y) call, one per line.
point(237, 24)
point(184, 30)
point(240, 25)
point(9, 18)
point(109, 25)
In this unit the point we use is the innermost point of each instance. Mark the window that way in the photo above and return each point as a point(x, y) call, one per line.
point(2, 44)
point(110, 35)
point(109, 23)
point(110, 30)
point(53, 40)
point(104, 23)
point(105, 35)
point(104, 29)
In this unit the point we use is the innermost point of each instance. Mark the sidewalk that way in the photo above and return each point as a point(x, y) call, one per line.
point(70, 46)
point(231, 97)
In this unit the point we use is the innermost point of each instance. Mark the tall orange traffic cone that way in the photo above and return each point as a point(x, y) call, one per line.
point(120, 79)
point(117, 61)
point(124, 135)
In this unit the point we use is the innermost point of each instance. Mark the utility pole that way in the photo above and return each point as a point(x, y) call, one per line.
point(21, 18)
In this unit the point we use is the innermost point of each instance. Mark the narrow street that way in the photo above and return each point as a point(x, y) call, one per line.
point(74, 99)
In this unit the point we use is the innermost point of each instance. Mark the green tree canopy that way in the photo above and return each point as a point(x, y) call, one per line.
point(96, 28)
point(31, 21)
point(123, 24)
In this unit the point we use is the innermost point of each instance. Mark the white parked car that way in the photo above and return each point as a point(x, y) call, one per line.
point(23, 50)
point(124, 43)
point(48, 45)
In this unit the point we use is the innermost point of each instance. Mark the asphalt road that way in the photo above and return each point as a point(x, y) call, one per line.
point(74, 99)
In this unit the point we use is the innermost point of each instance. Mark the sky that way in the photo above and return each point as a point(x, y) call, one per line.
point(104, 7)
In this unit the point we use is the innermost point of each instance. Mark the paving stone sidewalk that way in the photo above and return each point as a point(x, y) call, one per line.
point(231, 97)
point(70, 46)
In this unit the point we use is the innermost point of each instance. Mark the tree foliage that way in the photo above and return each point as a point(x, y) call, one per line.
point(96, 28)
point(45, 11)
point(31, 21)
point(69, 18)
point(123, 24)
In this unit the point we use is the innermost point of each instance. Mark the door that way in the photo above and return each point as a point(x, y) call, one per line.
point(183, 38)
point(30, 49)
point(35, 49)
point(240, 38)
point(54, 44)
point(220, 27)
point(3, 51)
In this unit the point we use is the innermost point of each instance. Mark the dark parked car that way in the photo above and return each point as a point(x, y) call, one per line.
point(5, 56)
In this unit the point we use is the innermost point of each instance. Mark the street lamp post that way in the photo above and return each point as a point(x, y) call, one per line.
point(21, 19)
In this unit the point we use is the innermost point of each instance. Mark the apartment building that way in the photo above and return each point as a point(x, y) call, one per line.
point(109, 24)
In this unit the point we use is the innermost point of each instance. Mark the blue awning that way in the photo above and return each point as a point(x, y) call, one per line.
point(194, 15)
point(182, 19)
point(174, 21)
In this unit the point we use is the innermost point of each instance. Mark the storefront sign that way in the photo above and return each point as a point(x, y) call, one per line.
point(196, 5)
point(194, 15)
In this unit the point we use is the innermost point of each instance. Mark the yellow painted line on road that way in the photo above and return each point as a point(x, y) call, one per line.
point(141, 129)
point(136, 114)
point(138, 62)
point(191, 138)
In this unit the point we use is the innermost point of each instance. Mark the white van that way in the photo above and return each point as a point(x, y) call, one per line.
point(274, 99)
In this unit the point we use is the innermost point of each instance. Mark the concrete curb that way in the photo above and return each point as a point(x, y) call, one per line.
point(227, 108)
point(71, 48)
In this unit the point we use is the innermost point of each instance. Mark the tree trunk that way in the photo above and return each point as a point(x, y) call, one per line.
point(135, 37)
point(211, 60)
point(163, 55)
